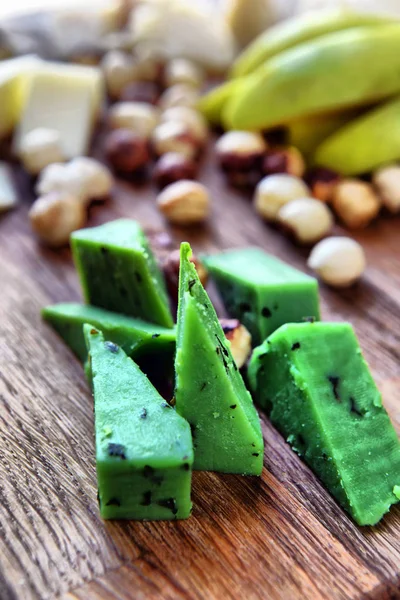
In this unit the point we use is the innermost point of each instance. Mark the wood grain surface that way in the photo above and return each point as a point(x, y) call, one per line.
point(278, 537)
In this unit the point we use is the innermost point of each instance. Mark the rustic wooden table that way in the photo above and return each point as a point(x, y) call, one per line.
point(281, 536)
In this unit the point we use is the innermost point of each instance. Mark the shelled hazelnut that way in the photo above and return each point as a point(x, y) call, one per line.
point(83, 177)
point(174, 136)
point(239, 154)
point(307, 219)
point(339, 261)
point(40, 148)
point(139, 117)
point(172, 167)
point(126, 151)
point(284, 160)
point(55, 216)
point(276, 190)
point(95, 178)
point(190, 117)
point(55, 178)
point(180, 94)
point(119, 69)
point(182, 70)
point(170, 267)
point(239, 338)
point(387, 183)
point(184, 202)
point(140, 91)
point(322, 183)
point(355, 202)
point(149, 66)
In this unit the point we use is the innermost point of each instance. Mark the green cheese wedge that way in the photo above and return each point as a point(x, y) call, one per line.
point(210, 392)
point(118, 271)
point(136, 337)
point(317, 388)
point(144, 451)
point(262, 291)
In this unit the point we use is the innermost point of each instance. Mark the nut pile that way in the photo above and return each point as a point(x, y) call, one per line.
point(304, 204)
point(65, 190)
point(152, 129)
point(153, 123)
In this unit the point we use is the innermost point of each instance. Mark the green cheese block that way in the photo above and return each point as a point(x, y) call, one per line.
point(144, 451)
point(118, 271)
point(262, 291)
point(314, 382)
point(210, 392)
point(136, 337)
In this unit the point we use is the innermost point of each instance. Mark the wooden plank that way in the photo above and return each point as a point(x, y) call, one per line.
point(279, 537)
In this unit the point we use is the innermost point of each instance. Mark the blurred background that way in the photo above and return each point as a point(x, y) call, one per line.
point(75, 23)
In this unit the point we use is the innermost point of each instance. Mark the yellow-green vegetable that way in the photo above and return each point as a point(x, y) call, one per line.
point(340, 70)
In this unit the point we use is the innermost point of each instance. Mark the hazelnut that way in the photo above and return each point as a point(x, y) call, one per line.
point(140, 91)
point(96, 179)
point(180, 94)
point(55, 178)
point(85, 178)
point(39, 148)
point(139, 117)
point(184, 202)
point(307, 219)
point(387, 184)
point(170, 266)
point(173, 136)
point(172, 167)
point(276, 190)
point(126, 151)
point(240, 150)
point(322, 183)
point(55, 216)
point(194, 121)
point(149, 65)
point(355, 202)
point(339, 261)
point(119, 70)
point(239, 338)
point(182, 70)
point(284, 160)
point(239, 154)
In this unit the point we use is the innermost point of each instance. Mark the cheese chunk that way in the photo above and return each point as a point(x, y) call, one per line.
point(66, 98)
point(144, 450)
point(8, 194)
point(209, 390)
point(14, 77)
point(317, 389)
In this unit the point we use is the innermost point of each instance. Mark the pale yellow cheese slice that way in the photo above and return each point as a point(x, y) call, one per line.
point(14, 76)
point(67, 98)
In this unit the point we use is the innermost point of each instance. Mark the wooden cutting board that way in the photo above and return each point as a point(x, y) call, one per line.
point(278, 537)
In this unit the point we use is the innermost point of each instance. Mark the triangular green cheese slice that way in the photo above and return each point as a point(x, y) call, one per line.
point(210, 392)
point(144, 451)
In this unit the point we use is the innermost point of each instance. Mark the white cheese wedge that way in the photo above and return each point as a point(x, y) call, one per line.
point(8, 194)
point(65, 98)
